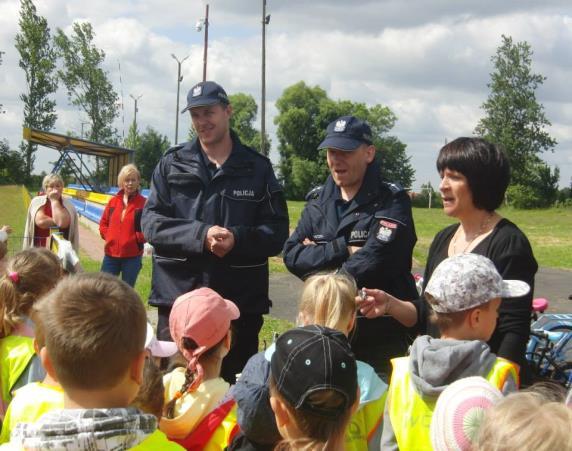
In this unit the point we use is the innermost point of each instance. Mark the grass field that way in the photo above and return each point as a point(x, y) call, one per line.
point(549, 231)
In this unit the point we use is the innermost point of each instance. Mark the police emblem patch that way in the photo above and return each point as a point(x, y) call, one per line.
point(390, 225)
point(197, 91)
point(340, 126)
point(384, 234)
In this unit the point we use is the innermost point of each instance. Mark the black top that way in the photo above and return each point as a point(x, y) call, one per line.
point(510, 251)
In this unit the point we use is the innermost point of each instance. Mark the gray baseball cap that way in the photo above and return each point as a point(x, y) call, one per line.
point(468, 280)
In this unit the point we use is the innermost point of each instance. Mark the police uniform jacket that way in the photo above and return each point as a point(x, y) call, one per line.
point(243, 195)
point(379, 221)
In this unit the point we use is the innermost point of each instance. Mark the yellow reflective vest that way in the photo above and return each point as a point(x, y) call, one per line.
point(410, 414)
point(15, 355)
point(29, 404)
point(365, 426)
point(157, 441)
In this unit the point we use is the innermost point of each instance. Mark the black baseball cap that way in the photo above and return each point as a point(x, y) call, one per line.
point(206, 93)
point(310, 359)
point(347, 133)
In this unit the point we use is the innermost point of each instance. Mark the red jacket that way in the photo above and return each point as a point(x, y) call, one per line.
point(123, 238)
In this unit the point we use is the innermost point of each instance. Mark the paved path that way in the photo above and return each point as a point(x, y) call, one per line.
point(89, 241)
point(553, 284)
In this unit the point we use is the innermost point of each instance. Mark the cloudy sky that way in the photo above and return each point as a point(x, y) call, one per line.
point(428, 60)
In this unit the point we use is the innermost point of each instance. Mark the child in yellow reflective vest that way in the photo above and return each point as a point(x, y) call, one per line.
point(94, 327)
point(464, 292)
point(327, 300)
point(33, 400)
point(28, 275)
point(198, 413)
point(313, 388)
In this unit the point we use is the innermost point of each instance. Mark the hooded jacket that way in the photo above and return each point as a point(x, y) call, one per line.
point(435, 363)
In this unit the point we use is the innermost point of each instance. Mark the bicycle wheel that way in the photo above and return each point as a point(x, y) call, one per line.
point(562, 374)
point(563, 348)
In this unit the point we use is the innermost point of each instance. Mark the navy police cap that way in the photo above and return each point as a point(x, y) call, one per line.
point(346, 133)
point(206, 93)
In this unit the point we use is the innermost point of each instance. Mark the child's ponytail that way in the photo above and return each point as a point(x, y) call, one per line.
point(193, 374)
point(29, 275)
point(329, 300)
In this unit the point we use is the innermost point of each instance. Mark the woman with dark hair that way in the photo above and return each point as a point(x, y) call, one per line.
point(474, 177)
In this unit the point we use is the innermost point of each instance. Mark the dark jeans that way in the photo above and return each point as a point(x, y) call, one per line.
point(245, 332)
point(128, 267)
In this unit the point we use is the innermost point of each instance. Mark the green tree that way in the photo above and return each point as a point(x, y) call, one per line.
point(244, 111)
point(38, 60)
point(88, 86)
point(513, 116)
point(12, 165)
point(304, 113)
point(133, 140)
point(151, 148)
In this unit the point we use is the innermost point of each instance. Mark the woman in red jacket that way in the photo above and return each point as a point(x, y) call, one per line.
point(120, 227)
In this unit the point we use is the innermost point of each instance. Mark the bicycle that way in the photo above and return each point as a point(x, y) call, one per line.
point(549, 350)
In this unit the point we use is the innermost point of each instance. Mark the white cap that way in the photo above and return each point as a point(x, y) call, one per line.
point(465, 281)
point(158, 348)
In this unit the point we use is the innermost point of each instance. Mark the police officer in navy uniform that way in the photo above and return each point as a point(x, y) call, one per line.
point(359, 224)
point(214, 215)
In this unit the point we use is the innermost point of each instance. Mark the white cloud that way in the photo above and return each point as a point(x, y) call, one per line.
point(428, 60)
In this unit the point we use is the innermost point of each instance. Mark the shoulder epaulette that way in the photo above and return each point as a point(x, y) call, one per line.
point(174, 148)
point(314, 193)
point(255, 152)
point(393, 187)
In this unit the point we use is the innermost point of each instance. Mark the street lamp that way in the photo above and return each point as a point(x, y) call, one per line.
point(265, 21)
point(199, 26)
point(135, 99)
point(179, 80)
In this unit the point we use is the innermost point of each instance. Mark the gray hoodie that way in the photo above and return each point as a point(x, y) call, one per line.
point(435, 363)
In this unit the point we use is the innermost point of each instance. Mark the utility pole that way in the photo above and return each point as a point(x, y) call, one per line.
point(265, 21)
point(179, 80)
point(82, 124)
point(200, 24)
point(135, 99)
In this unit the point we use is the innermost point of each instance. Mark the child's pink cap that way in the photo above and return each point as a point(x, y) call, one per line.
point(203, 316)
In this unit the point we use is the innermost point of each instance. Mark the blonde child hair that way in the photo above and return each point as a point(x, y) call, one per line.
point(28, 276)
point(526, 421)
point(329, 300)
